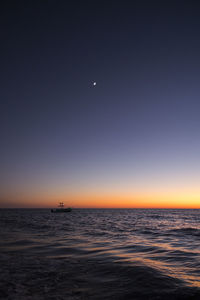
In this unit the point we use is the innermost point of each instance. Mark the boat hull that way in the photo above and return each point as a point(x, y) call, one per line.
point(61, 210)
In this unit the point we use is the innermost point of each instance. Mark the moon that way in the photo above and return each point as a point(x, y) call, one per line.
point(94, 83)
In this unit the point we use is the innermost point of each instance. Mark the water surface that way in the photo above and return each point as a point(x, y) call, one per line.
point(100, 254)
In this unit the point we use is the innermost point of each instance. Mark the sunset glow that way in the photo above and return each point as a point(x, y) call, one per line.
point(165, 199)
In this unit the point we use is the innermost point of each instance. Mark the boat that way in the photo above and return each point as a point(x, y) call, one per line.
point(61, 209)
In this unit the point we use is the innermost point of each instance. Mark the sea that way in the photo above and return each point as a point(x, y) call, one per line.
point(100, 254)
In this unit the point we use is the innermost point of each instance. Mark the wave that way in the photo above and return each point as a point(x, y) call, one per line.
point(186, 231)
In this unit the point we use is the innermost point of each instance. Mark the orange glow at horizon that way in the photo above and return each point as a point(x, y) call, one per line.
point(139, 200)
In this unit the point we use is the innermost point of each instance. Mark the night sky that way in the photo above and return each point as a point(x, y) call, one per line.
point(133, 140)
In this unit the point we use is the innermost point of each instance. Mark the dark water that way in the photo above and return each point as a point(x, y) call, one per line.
point(100, 254)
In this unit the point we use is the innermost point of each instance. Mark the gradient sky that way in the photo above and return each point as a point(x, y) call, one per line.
point(133, 140)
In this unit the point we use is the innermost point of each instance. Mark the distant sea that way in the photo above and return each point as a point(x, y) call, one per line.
point(100, 254)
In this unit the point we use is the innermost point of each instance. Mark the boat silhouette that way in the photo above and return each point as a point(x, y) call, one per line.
point(61, 209)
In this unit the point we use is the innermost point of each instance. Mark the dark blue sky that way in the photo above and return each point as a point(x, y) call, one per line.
point(138, 127)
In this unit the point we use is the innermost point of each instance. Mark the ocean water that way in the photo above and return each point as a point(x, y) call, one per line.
point(100, 254)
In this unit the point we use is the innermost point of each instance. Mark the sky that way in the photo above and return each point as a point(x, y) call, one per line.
point(131, 140)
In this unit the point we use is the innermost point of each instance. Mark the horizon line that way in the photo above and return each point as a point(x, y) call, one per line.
point(103, 207)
